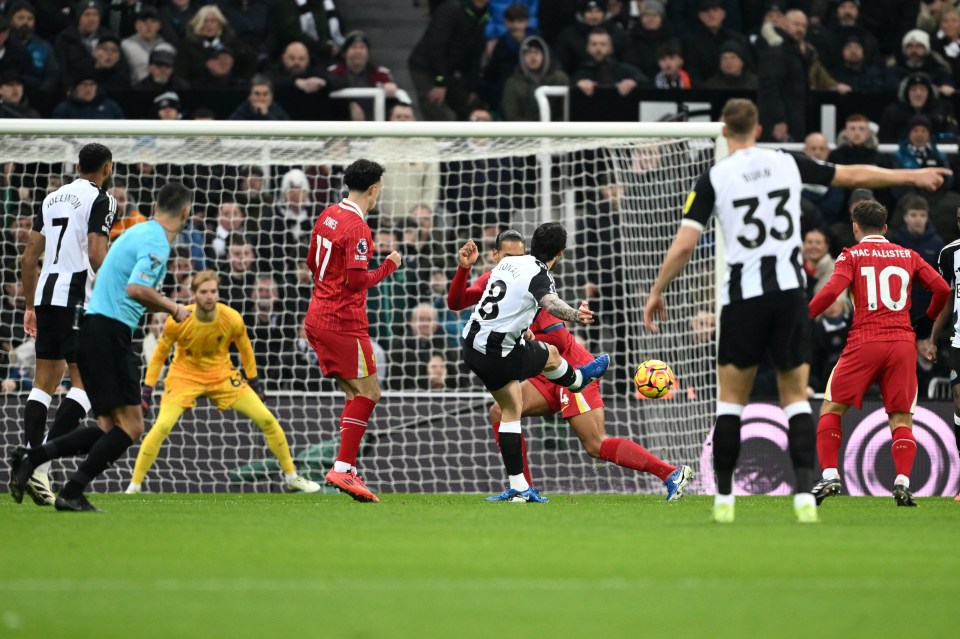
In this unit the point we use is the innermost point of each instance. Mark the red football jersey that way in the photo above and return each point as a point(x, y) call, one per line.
point(340, 241)
point(547, 328)
point(879, 275)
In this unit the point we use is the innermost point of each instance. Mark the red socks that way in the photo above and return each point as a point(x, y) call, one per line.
point(904, 450)
point(353, 424)
point(523, 450)
point(829, 437)
point(628, 454)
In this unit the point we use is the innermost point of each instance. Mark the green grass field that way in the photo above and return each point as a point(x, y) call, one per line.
point(455, 566)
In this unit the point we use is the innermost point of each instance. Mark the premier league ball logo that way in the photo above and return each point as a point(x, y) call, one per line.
point(362, 247)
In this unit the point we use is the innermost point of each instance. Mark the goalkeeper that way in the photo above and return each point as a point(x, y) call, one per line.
point(202, 367)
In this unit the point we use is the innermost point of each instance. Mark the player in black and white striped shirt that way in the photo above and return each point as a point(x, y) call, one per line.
point(755, 195)
point(70, 231)
point(494, 347)
point(949, 266)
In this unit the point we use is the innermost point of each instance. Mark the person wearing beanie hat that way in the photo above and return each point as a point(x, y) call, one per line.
point(445, 63)
point(505, 54)
point(653, 6)
point(853, 69)
point(160, 75)
point(649, 33)
point(13, 100)
point(356, 68)
point(918, 149)
point(113, 72)
point(570, 47)
point(138, 47)
point(733, 74)
point(702, 52)
point(917, 56)
point(534, 70)
point(35, 52)
point(168, 106)
point(74, 45)
point(846, 24)
point(917, 95)
point(86, 101)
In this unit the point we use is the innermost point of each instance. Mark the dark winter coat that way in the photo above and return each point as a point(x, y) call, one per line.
point(519, 103)
point(782, 93)
point(100, 108)
point(452, 44)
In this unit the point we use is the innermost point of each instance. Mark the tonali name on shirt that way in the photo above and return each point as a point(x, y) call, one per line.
point(871, 252)
point(509, 268)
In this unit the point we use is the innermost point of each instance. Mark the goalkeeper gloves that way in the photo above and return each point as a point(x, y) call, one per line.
point(256, 387)
point(923, 326)
point(146, 399)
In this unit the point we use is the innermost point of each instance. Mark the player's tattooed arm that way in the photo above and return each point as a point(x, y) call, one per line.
point(552, 303)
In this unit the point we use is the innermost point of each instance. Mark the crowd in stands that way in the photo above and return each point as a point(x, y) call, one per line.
point(477, 60)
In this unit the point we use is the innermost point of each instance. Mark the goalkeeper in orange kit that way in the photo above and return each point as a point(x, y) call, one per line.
point(202, 367)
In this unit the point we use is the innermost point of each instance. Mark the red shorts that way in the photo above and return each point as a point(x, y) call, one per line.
point(892, 364)
point(568, 404)
point(343, 356)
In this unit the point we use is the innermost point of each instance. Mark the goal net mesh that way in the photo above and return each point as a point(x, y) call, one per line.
point(256, 202)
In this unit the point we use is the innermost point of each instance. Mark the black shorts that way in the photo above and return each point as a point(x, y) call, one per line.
point(523, 362)
point(57, 332)
point(954, 365)
point(108, 365)
point(777, 322)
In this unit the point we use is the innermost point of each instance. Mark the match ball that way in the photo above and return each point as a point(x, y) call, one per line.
point(654, 379)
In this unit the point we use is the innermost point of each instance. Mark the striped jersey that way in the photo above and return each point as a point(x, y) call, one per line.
point(949, 265)
point(139, 256)
point(65, 219)
point(340, 241)
point(508, 305)
point(756, 195)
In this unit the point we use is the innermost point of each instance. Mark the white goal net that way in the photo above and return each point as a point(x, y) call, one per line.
point(258, 194)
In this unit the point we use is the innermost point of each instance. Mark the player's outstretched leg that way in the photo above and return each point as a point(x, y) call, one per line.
point(561, 373)
point(150, 448)
point(251, 406)
point(26, 460)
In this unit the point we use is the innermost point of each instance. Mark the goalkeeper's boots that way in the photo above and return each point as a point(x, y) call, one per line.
point(592, 372)
point(38, 487)
point(134, 489)
point(20, 471)
point(352, 484)
point(677, 481)
point(723, 513)
point(300, 484)
point(903, 496)
point(826, 488)
point(78, 504)
point(530, 495)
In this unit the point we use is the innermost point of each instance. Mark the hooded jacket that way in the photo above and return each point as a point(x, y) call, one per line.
point(519, 103)
point(894, 120)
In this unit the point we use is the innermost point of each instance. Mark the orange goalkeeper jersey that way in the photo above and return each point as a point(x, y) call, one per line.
point(203, 348)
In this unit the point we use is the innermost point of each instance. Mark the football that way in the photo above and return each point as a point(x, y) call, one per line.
point(654, 379)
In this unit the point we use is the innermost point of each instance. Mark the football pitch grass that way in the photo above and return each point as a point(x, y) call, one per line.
point(285, 566)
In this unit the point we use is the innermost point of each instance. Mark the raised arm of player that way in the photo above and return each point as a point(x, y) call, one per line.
point(555, 333)
point(855, 176)
point(160, 353)
point(460, 296)
point(676, 258)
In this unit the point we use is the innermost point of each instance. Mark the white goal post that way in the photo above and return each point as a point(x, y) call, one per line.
point(618, 188)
